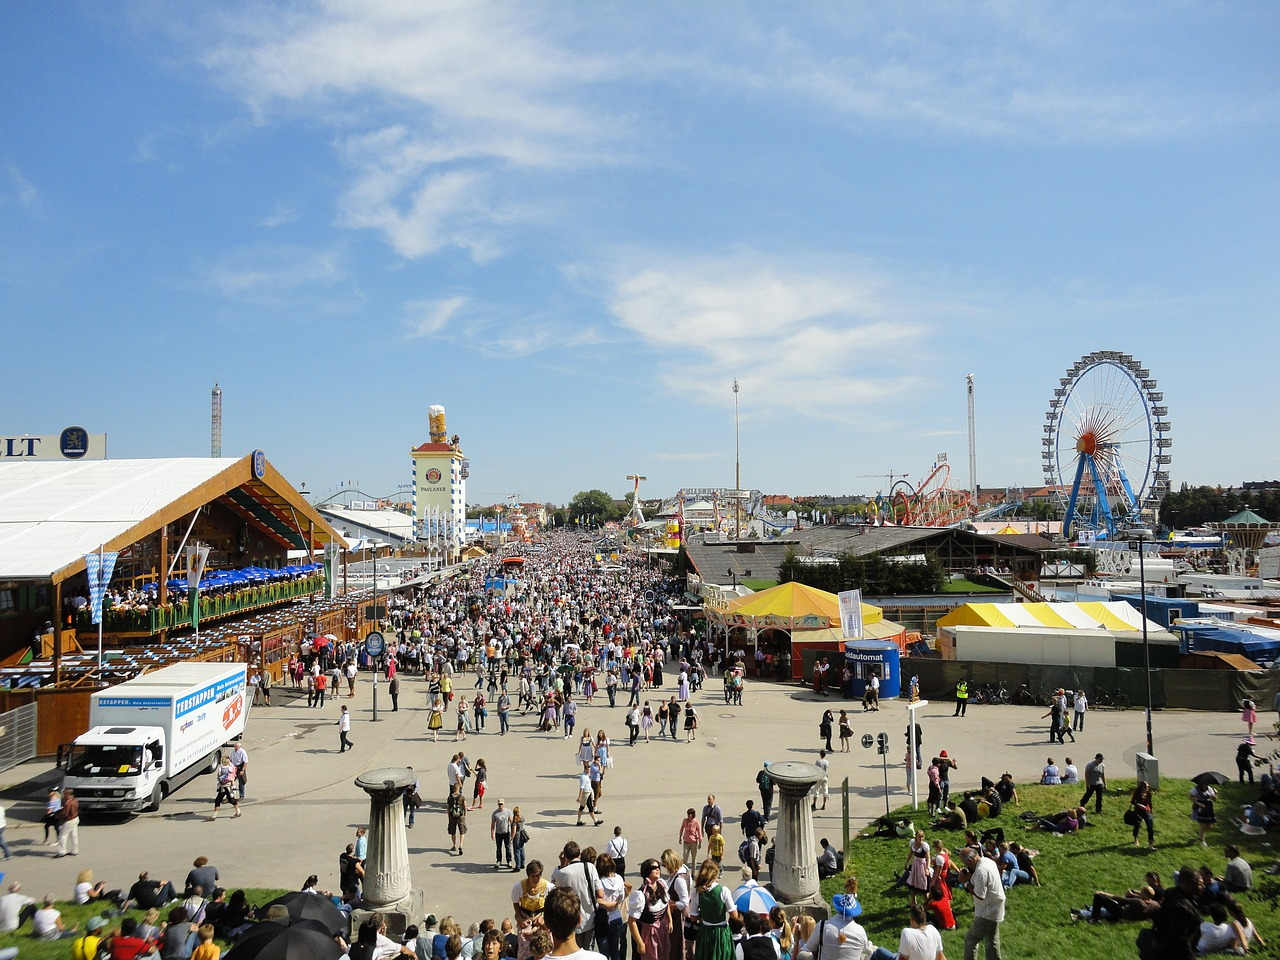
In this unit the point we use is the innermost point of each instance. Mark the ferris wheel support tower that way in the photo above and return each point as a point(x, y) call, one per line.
point(973, 448)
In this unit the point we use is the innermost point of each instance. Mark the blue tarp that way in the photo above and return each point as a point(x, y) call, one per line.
point(1201, 638)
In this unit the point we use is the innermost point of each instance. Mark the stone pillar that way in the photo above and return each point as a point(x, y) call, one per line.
point(795, 861)
point(387, 884)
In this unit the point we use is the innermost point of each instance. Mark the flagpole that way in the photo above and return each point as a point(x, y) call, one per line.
point(102, 589)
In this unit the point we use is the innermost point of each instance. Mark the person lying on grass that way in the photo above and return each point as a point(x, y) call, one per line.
point(1068, 821)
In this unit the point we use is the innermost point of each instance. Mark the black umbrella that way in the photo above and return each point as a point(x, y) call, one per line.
point(1210, 777)
point(312, 906)
point(286, 939)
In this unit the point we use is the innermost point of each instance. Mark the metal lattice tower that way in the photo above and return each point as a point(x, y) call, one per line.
point(973, 447)
point(215, 437)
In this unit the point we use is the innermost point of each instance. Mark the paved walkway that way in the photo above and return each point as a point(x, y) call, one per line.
point(303, 806)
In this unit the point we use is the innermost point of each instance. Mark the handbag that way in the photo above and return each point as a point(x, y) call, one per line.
point(691, 928)
point(1131, 817)
point(522, 836)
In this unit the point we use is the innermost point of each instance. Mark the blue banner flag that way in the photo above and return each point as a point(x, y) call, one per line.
point(98, 567)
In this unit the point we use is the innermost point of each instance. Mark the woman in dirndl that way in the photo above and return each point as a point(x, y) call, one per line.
point(649, 914)
point(1203, 798)
point(1249, 715)
point(917, 866)
point(436, 718)
point(712, 906)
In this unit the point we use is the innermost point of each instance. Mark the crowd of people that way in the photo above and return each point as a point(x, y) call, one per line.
point(572, 634)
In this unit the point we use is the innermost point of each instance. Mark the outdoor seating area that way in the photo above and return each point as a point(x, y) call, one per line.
point(222, 593)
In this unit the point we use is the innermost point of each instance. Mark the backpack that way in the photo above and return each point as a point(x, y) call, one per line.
point(766, 781)
point(744, 851)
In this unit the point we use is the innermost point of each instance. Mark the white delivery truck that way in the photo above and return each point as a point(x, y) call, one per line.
point(150, 735)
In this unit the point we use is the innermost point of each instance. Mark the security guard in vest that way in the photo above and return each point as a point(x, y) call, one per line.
point(962, 697)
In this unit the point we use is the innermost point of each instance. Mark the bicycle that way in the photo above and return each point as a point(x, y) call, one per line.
point(1116, 699)
point(1028, 696)
point(990, 694)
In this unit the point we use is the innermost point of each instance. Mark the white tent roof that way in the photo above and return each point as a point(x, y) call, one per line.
point(52, 513)
point(391, 522)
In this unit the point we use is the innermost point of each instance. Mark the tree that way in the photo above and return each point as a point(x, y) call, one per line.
point(593, 507)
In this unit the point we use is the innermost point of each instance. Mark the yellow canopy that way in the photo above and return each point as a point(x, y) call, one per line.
point(793, 605)
point(1107, 615)
point(1007, 530)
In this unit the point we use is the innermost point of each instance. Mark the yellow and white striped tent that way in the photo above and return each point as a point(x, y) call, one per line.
point(1089, 615)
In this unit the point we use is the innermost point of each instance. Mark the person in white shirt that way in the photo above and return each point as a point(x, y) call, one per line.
point(1069, 773)
point(46, 923)
point(842, 938)
point(583, 880)
point(15, 907)
point(758, 944)
point(921, 940)
point(617, 848)
point(561, 918)
point(988, 904)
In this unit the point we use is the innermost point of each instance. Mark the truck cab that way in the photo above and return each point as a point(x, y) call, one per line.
point(116, 768)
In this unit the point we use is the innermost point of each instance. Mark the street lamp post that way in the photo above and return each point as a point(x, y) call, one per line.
point(737, 468)
point(1146, 644)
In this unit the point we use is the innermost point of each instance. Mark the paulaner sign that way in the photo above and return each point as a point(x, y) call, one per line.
point(73, 443)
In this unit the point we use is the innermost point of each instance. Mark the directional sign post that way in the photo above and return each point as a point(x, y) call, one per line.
point(913, 762)
point(374, 645)
point(881, 743)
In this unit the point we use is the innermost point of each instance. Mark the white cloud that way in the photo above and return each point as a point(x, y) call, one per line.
point(266, 273)
point(426, 318)
point(826, 343)
point(281, 214)
point(432, 101)
point(23, 190)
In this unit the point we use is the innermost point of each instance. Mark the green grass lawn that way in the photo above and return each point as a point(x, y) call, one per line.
point(758, 585)
point(1037, 919)
point(968, 586)
point(73, 915)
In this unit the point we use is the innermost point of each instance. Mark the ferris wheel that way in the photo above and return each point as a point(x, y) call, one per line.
point(1106, 445)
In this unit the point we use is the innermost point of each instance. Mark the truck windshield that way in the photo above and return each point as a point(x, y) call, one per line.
point(101, 760)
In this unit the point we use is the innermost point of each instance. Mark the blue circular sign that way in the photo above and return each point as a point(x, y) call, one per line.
point(375, 644)
point(259, 464)
point(73, 443)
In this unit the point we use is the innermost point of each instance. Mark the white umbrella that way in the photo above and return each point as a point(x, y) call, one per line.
point(750, 897)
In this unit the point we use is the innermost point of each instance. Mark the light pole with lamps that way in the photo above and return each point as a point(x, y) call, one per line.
point(737, 468)
point(1139, 537)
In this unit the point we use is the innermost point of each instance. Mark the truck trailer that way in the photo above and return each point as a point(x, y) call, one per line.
point(150, 735)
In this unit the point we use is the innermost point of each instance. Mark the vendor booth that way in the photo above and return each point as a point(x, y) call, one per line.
point(792, 624)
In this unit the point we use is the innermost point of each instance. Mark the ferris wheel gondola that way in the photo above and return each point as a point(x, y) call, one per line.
point(1106, 445)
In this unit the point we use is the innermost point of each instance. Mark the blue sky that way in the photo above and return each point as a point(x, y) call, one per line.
point(575, 224)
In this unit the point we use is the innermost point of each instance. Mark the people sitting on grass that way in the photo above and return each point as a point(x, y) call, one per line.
point(1006, 788)
point(828, 860)
point(1051, 775)
point(1238, 876)
point(952, 818)
point(1135, 906)
point(1066, 821)
point(86, 890)
point(1225, 931)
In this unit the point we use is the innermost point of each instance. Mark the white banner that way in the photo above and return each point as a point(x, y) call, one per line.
point(196, 557)
point(851, 614)
point(98, 568)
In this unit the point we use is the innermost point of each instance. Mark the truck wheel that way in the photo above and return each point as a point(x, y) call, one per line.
point(157, 796)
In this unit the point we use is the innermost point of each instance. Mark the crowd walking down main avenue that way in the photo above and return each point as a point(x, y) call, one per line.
point(562, 710)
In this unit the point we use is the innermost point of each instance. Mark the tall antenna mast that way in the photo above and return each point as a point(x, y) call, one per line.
point(737, 469)
point(973, 448)
point(215, 437)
